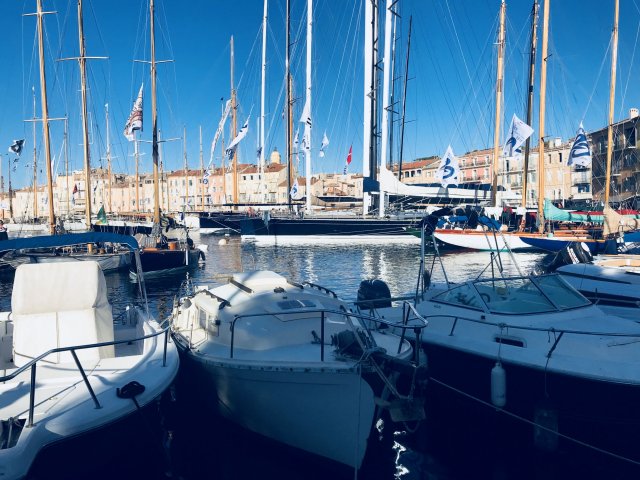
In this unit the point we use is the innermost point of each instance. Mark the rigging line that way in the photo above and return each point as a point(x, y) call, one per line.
point(604, 58)
point(464, 60)
point(633, 54)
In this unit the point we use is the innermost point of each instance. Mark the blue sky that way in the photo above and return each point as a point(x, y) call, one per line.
point(450, 91)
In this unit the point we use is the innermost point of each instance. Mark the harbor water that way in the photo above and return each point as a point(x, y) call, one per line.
point(447, 445)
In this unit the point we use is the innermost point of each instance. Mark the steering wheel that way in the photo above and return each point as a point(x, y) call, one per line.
point(485, 297)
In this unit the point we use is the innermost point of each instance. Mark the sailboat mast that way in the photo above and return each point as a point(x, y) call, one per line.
point(262, 94)
point(307, 155)
point(404, 101)
point(201, 169)
point(543, 97)
point(106, 107)
point(532, 66)
point(366, 134)
point(35, 159)
point(137, 162)
point(66, 162)
point(499, 92)
point(388, 40)
point(154, 118)
point(612, 92)
point(85, 126)
point(234, 131)
point(186, 167)
point(288, 87)
point(10, 193)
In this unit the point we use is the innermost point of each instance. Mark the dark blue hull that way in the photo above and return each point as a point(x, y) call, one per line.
point(161, 260)
point(556, 244)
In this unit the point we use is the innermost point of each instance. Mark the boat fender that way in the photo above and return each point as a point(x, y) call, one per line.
point(498, 386)
point(201, 255)
point(130, 390)
point(583, 253)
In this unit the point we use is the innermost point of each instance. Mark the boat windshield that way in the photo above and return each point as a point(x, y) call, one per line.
point(521, 295)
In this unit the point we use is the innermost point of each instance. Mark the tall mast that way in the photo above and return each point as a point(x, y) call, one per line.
point(85, 127)
point(404, 101)
point(154, 118)
point(532, 66)
point(307, 155)
point(186, 168)
point(499, 92)
point(10, 193)
point(137, 162)
point(287, 77)
point(106, 108)
point(612, 90)
point(234, 130)
point(366, 134)
point(66, 162)
point(201, 170)
point(388, 40)
point(35, 159)
point(543, 97)
point(262, 95)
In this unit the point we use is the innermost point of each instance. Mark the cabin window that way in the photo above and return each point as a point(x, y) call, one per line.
point(202, 318)
point(464, 295)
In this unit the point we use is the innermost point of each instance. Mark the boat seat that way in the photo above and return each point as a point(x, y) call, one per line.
point(60, 305)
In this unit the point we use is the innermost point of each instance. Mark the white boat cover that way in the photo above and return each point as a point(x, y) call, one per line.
point(60, 305)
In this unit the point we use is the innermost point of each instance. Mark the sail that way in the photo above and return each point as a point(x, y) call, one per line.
point(135, 118)
point(555, 214)
point(216, 137)
point(518, 134)
point(615, 223)
point(580, 154)
point(449, 169)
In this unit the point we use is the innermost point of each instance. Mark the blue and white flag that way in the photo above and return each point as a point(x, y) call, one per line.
point(231, 149)
point(295, 190)
point(16, 147)
point(324, 144)
point(135, 118)
point(306, 119)
point(449, 169)
point(580, 154)
point(517, 135)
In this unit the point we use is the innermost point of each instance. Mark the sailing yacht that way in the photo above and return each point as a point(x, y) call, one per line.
point(159, 254)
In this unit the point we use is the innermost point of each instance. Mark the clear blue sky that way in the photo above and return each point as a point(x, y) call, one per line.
point(450, 92)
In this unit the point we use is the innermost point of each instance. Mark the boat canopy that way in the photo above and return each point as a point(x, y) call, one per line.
point(53, 241)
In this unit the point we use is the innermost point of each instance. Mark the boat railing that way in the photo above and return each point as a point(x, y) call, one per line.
point(368, 323)
point(32, 364)
point(553, 332)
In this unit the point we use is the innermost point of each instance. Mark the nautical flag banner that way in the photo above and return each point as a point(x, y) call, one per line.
point(295, 190)
point(75, 189)
point(241, 134)
point(16, 147)
point(324, 144)
point(205, 179)
point(580, 154)
point(101, 217)
point(216, 137)
point(518, 133)
point(449, 170)
point(306, 119)
point(135, 118)
point(295, 141)
point(348, 162)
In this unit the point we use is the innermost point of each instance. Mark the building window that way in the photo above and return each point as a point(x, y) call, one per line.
point(560, 157)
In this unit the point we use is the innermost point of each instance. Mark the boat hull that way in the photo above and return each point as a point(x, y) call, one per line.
point(156, 261)
point(109, 262)
point(478, 240)
point(327, 230)
point(327, 412)
point(558, 243)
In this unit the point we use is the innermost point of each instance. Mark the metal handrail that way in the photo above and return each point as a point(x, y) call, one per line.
point(32, 364)
point(367, 318)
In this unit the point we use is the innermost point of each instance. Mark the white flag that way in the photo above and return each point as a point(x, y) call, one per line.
point(295, 141)
point(323, 145)
point(216, 137)
point(449, 170)
point(295, 190)
point(241, 134)
point(518, 133)
point(580, 154)
point(306, 119)
point(135, 118)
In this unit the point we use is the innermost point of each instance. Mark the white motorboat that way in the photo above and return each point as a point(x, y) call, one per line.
point(293, 363)
point(537, 349)
point(611, 281)
point(72, 376)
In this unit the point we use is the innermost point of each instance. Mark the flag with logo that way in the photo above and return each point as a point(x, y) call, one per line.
point(231, 149)
point(449, 170)
point(135, 118)
point(306, 119)
point(16, 147)
point(295, 190)
point(324, 144)
point(580, 154)
point(518, 133)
